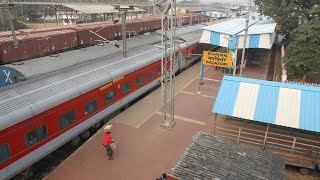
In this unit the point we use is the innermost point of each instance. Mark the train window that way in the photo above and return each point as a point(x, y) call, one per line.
point(90, 107)
point(66, 119)
point(36, 135)
point(150, 75)
point(159, 70)
point(110, 95)
point(139, 81)
point(4, 153)
point(126, 87)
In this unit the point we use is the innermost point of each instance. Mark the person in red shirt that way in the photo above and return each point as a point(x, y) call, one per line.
point(106, 143)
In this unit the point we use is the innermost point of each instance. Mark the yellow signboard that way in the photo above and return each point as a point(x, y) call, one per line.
point(217, 59)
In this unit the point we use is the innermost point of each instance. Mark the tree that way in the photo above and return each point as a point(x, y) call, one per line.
point(5, 23)
point(288, 13)
point(31, 11)
point(299, 20)
point(302, 56)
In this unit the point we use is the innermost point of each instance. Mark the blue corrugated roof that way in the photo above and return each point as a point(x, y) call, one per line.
point(237, 25)
point(290, 105)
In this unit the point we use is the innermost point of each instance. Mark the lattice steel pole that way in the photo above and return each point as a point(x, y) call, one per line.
point(167, 63)
point(11, 21)
point(124, 34)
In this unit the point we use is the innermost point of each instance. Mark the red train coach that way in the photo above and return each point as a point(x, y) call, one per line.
point(47, 113)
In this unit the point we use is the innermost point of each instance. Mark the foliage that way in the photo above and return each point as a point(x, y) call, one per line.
point(288, 13)
point(32, 12)
point(299, 20)
point(5, 24)
point(303, 53)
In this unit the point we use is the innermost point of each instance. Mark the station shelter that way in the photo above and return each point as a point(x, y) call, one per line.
point(230, 35)
point(281, 118)
point(290, 105)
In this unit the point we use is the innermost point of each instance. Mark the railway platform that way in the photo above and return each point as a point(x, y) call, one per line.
point(145, 149)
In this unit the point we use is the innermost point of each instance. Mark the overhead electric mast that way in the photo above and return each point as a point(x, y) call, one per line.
point(169, 24)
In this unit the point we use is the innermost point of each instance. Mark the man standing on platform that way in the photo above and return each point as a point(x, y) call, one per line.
point(107, 141)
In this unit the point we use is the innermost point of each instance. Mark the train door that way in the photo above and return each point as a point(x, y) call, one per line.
point(176, 62)
point(182, 60)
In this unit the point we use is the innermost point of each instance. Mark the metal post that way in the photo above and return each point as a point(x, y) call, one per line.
point(124, 34)
point(167, 63)
point(2, 23)
point(228, 51)
point(44, 17)
point(283, 67)
point(201, 76)
point(265, 138)
point(154, 8)
point(190, 18)
point(15, 42)
point(235, 61)
point(293, 145)
point(239, 134)
point(245, 39)
point(67, 17)
point(215, 123)
point(202, 71)
point(57, 17)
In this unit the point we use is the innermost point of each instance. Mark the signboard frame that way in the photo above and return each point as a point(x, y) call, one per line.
point(217, 59)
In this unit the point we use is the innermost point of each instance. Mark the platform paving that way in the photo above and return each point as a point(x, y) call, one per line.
point(144, 148)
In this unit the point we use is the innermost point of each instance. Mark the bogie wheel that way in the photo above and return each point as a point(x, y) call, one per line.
point(75, 141)
point(25, 174)
point(85, 135)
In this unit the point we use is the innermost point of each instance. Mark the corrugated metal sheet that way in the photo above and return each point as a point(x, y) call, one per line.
point(290, 105)
point(288, 111)
point(210, 157)
point(215, 14)
point(247, 97)
point(234, 42)
point(237, 26)
point(258, 16)
point(266, 40)
point(254, 40)
point(215, 38)
point(261, 35)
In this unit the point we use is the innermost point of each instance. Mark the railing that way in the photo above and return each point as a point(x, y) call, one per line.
point(262, 137)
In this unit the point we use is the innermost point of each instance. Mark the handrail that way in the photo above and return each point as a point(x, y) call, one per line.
point(269, 133)
point(290, 144)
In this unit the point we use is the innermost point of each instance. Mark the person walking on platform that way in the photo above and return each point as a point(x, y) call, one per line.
point(163, 177)
point(107, 141)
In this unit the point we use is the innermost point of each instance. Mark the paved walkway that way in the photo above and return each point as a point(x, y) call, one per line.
point(144, 149)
